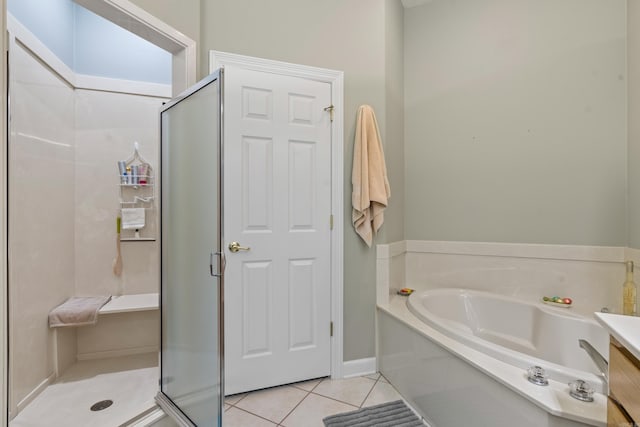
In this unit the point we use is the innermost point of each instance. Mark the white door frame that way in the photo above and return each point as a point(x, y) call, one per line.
point(134, 19)
point(336, 81)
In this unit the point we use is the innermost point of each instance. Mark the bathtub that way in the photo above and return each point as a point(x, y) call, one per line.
point(473, 346)
point(519, 333)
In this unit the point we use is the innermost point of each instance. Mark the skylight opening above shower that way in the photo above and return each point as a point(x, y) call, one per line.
point(91, 45)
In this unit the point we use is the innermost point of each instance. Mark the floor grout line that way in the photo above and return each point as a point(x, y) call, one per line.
point(348, 403)
point(368, 394)
point(256, 415)
point(294, 408)
point(301, 400)
point(334, 399)
point(312, 388)
point(308, 392)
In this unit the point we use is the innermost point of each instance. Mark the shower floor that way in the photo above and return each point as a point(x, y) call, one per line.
point(131, 382)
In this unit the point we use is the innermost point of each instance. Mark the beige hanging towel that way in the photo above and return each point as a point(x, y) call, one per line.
point(371, 189)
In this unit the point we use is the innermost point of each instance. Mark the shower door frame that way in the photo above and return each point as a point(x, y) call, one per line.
point(163, 400)
point(4, 250)
point(143, 24)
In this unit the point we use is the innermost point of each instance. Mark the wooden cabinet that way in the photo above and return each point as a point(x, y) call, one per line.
point(616, 417)
point(624, 387)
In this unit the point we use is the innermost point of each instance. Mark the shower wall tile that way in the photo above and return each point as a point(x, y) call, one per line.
point(390, 268)
point(41, 214)
point(107, 126)
point(63, 204)
point(591, 275)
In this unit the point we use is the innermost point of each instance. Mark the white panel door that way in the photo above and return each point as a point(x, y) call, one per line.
point(277, 203)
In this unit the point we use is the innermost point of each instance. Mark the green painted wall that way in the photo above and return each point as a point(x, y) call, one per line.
point(633, 61)
point(516, 121)
point(502, 120)
point(364, 39)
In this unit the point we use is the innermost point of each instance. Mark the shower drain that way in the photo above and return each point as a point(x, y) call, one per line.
point(103, 404)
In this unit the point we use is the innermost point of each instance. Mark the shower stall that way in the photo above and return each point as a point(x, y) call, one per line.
point(69, 126)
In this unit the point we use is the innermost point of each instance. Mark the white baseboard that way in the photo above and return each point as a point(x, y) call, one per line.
point(359, 367)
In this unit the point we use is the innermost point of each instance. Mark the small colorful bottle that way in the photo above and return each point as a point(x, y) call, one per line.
point(122, 168)
point(134, 174)
point(629, 292)
point(142, 173)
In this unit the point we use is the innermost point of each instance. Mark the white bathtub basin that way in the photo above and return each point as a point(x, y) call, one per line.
point(519, 333)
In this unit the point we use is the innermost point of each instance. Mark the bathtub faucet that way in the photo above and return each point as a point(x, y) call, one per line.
point(598, 359)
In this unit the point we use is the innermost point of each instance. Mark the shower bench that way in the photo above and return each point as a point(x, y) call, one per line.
point(127, 325)
point(131, 303)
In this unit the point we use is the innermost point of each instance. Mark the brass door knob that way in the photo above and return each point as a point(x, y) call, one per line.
point(235, 247)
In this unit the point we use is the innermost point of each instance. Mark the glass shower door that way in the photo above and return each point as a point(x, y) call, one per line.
point(192, 263)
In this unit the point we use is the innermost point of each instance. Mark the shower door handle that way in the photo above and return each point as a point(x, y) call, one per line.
point(222, 263)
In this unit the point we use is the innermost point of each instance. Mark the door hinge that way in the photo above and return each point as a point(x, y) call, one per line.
point(330, 109)
point(330, 329)
point(331, 222)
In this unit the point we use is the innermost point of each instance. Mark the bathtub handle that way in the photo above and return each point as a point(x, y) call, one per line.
point(537, 376)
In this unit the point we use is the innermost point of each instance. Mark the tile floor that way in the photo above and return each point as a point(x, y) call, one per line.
point(132, 383)
point(305, 404)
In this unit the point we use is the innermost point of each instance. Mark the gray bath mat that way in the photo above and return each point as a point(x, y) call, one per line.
point(392, 414)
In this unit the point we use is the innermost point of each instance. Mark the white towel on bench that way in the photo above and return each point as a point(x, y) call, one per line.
point(77, 311)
